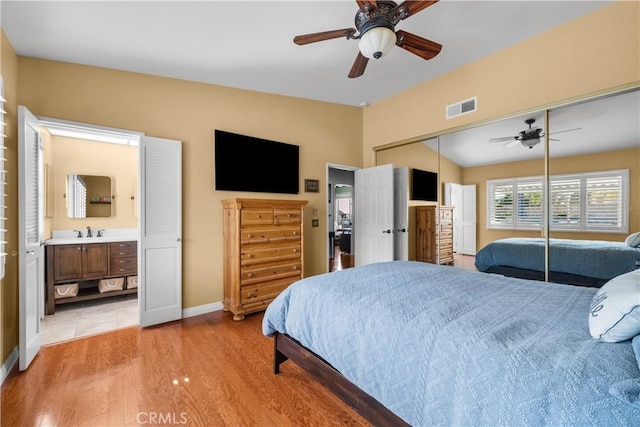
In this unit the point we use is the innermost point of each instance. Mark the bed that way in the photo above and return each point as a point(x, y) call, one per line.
point(406, 342)
point(576, 262)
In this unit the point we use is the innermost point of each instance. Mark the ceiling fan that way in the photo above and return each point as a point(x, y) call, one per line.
point(528, 137)
point(375, 23)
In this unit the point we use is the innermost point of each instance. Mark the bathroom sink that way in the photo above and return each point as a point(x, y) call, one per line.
point(68, 237)
point(82, 240)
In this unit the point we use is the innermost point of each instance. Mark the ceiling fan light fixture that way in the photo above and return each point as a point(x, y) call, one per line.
point(531, 142)
point(377, 42)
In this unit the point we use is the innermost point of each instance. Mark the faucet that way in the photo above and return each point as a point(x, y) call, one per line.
point(100, 232)
point(88, 231)
point(79, 233)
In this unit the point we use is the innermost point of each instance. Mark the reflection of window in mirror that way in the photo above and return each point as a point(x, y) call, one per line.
point(89, 196)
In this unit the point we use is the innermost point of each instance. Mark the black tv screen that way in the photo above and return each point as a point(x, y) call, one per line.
point(424, 185)
point(245, 163)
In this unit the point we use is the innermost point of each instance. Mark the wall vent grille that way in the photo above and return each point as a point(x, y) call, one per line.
point(463, 107)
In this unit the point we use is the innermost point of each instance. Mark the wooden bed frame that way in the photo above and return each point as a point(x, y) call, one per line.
point(287, 348)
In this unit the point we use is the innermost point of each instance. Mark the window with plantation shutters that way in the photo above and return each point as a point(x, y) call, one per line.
point(500, 204)
point(3, 198)
point(586, 202)
point(605, 207)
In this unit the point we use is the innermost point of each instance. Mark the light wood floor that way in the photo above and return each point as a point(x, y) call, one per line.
point(203, 371)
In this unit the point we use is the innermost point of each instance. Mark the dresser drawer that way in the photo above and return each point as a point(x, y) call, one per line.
point(123, 249)
point(257, 216)
point(259, 273)
point(274, 234)
point(252, 254)
point(446, 214)
point(288, 216)
point(123, 266)
point(254, 293)
point(446, 233)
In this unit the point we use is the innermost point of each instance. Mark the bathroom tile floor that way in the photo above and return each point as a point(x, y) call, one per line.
point(81, 319)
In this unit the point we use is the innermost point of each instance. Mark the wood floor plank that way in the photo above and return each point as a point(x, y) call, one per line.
point(202, 371)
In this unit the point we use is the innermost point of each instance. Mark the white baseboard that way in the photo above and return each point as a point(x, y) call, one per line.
point(8, 364)
point(202, 309)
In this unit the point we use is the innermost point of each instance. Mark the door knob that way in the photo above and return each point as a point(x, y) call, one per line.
point(387, 231)
point(403, 230)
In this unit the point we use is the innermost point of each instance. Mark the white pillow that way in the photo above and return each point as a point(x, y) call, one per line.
point(615, 309)
point(633, 240)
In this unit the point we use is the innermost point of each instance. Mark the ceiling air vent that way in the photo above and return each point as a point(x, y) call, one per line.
point(463, 107)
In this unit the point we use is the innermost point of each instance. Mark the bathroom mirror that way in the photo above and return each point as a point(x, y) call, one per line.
point(88, 196)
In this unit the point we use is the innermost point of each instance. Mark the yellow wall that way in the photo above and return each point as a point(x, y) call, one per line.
point(9, 285)
point(190, 112)
point(118, 162)
point(593, 53)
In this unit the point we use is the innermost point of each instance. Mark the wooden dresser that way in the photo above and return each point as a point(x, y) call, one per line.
point(263, 254)
point(434, 234)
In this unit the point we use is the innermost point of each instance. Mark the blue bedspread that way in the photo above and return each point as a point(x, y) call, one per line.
point(590, 258)
point(442, 346)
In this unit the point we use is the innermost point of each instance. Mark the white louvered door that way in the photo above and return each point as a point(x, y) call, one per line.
point(160, 231)
point(31, 251)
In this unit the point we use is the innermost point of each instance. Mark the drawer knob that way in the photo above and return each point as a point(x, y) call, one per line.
point(252, 295)
point(258, 216)
point(251, 236)
point(250, 275)
point(288, 215)
point(251, 256)
point(295, 233)
point(295, 267)
point(295, 251)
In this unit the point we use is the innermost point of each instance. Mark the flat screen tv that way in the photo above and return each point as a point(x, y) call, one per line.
point(424, 185)
point(245, 163)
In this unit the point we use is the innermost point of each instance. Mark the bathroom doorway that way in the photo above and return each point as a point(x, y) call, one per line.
point(88, 153)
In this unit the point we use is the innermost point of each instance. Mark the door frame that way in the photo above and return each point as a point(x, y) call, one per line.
point(91, 130)
point(330, 196)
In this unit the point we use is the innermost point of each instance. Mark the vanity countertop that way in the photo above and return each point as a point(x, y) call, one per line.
point(82, 240)
point(69, 237)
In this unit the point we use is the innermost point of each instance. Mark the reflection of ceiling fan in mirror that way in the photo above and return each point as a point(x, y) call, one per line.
point(528, 137)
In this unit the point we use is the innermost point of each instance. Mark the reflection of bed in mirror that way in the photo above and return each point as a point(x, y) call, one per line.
point(576, 262)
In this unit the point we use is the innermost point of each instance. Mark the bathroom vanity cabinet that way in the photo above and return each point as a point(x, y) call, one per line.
point(86, 264)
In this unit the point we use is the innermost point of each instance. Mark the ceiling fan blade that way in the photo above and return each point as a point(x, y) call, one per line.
point(425, 49)
point(553, 139)
point(325, 35)
point(562, 131)
point(411, 7)
point(512, 143)
point(502, 139)
point(358, 66)
point(362, 3)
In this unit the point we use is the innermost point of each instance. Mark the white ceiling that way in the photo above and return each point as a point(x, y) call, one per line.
point(248, 44)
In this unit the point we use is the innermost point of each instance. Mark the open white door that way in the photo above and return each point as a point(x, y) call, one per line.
point(401, 213)
point(463, 199)
point(468, 214)
point(373, 214)
point(160, 239)
point(31, 250)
